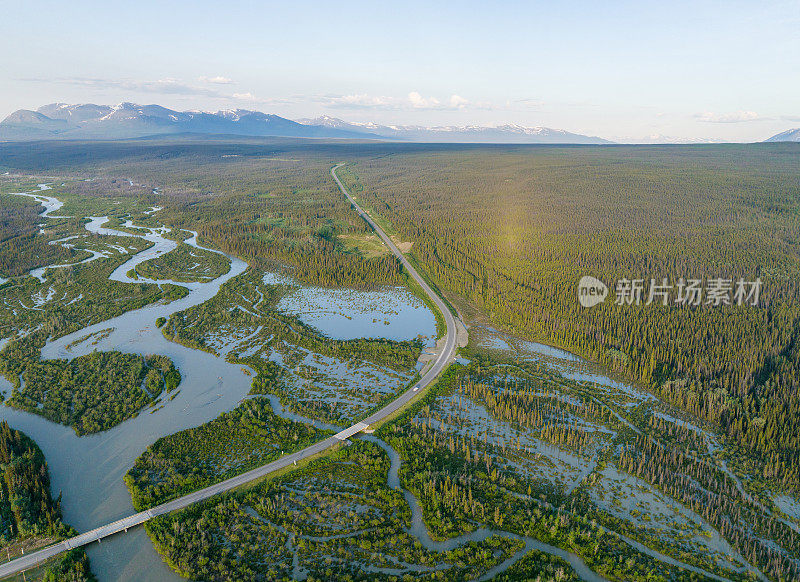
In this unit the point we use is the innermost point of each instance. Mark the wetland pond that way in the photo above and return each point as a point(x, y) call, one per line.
point(89, 470)
point(391, 313)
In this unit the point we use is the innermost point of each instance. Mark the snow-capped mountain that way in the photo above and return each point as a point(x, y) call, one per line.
point(126, 120)
point(459, 134)
point(74, 113)
point(788, 135)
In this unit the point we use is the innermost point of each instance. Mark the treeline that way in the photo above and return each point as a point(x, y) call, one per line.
point(26, 508)
point(514, 229)
point(317, 260)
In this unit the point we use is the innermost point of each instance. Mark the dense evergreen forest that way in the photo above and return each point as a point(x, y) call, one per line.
point(514, 229)
point(506, 232)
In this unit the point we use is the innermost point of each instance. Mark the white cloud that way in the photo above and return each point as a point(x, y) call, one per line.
point(360, 101)
point(214, 88)
point(219, 80)
point(163, 87)
point(737, 117)
point(458, 102)
point(528, 102)
point(248, 96)
point(413, 101)
point(419, 102)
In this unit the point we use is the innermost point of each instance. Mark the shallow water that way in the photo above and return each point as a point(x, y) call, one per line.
point(50, 204)
point(634, 500)
point(562, 468)
point(353, 391)
point(565, 363)
point(419, 530)
point(392, 313)
point(89, 470)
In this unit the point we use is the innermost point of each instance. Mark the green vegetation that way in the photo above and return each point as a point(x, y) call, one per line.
point(529, 222)
point(185, 264)
point(262, 205)
point(91, 393)
point(368, 245)
point(97, 391)
point(29, 517)
point(245, 307)
point(470, 474)
point(505, 442)
point(26, 508)
point(537, 566)
point(74, 297)
point(237, 441)
point(22, 248)
point(355, 531)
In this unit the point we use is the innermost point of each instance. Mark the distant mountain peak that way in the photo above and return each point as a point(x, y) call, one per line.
point(507, 133)
point(127, 120)
point(788, 135)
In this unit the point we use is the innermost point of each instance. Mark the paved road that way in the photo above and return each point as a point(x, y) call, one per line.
point(449, 350)
point(445, 358)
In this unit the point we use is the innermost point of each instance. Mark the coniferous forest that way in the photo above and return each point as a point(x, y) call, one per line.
point(671, 453)
point(527, 223)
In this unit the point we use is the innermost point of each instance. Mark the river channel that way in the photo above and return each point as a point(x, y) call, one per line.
point(89, 470)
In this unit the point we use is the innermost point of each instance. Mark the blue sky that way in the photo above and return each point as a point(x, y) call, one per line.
point(622, 70)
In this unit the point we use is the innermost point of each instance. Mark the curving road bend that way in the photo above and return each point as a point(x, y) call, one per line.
point(442, 361)
point(448, 353)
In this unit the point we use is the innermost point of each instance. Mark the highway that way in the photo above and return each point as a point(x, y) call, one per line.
point(449, 350)
point(442, 361)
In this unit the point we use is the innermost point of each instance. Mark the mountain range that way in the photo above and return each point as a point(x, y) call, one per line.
point(129, 120)
point(458, 134)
